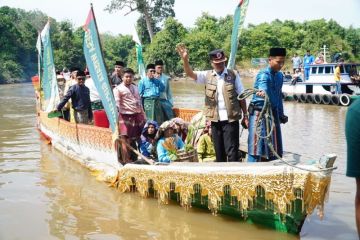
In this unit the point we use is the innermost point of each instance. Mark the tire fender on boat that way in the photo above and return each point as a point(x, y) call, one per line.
point(325, 99)
point(303, 98)
point(316, 98)
point(334, 99)
point(296, 97)
point(309, 98)
point(344, 99)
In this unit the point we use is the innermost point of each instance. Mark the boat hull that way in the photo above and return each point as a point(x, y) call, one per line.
point(278, 197)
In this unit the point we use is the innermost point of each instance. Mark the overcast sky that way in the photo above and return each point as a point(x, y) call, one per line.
point(345, 12)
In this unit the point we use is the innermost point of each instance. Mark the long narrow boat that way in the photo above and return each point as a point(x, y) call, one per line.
point(276, 196)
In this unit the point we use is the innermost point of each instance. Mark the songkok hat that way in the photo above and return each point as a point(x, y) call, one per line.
point(277, 52)
point(159, 62)
point(217, 56)
point(128, 70)
point(73, 69)
point(80, 73)
point(150, 66)
point(120, 63)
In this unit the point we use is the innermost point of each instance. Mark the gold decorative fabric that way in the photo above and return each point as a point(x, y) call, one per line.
point(281, 184)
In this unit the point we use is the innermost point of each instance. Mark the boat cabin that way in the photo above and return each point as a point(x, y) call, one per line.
point(325, 72)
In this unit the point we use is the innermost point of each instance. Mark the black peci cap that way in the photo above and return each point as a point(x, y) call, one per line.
point(273, 52)
point(120, 63)
point(150, 66)
point(80, 73)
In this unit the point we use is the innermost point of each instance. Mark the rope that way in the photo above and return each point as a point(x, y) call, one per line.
point(267, 116)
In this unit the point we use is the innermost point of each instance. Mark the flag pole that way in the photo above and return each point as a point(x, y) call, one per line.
point(98, 35)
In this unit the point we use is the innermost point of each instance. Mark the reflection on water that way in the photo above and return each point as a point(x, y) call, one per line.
point(45, 195)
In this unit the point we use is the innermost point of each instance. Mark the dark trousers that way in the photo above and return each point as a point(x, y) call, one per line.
point(225, 136)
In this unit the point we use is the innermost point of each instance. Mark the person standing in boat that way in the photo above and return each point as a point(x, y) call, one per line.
point(296, 62)
point(222, 107)
point(131, 114)
point(269, 81)
point(150, 89)
point(80, 99)
point(116, 76)
point(337, 77)
point(166, 99)
point(308, 60)
point(352, 132)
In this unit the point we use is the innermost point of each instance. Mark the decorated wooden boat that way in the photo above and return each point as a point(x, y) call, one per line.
point(276, 196)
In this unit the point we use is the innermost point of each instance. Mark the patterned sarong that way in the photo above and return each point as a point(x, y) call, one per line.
point(166, 106)
point(258, 146)
point(131, 125)
point(153, 110)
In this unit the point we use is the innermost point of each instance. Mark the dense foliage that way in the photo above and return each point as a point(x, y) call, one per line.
point(18, 28)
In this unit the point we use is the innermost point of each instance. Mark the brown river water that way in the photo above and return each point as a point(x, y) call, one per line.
point(45, 195)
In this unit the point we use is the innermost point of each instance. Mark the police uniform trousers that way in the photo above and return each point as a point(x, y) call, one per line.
point(225, 136)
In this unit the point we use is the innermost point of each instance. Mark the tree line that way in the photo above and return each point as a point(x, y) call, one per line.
point(19, 30)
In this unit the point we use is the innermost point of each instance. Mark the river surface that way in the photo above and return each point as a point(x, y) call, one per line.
point(45, 195)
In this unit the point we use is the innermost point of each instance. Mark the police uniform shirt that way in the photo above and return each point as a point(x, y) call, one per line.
point(201, 79)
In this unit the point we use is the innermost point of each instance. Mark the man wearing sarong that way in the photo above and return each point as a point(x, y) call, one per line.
point(131, 114)
point(149, 89)
point(117, 74)
point(96, 103)
point(269, 81)
point(80, 98)
point(222, 107)
point(166, 99)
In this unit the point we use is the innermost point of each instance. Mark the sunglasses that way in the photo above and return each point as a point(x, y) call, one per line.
point(81, 78)
point(152, 71)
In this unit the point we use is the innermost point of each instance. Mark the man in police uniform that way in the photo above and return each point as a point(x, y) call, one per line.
point(222, 108)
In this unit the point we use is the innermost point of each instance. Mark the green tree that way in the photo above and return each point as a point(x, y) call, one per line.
point(164, 44)
point(153, 11)
point(116, 48)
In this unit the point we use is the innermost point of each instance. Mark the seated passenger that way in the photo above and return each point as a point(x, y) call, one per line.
point(181, 127)
point(205, 146)
point(354, 76)
point(148, 138)
point(168, 143)
point(296, 77)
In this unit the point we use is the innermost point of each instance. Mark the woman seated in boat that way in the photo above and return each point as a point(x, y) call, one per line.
point(296, 77)
point(168, 142)
point(147, 139)
point(181, 127)
point(205, 147)
point(354, 76)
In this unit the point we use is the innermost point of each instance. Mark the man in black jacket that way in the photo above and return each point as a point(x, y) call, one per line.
point(80, 98)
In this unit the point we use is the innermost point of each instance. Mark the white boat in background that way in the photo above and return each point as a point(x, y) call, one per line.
point(320, 87)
